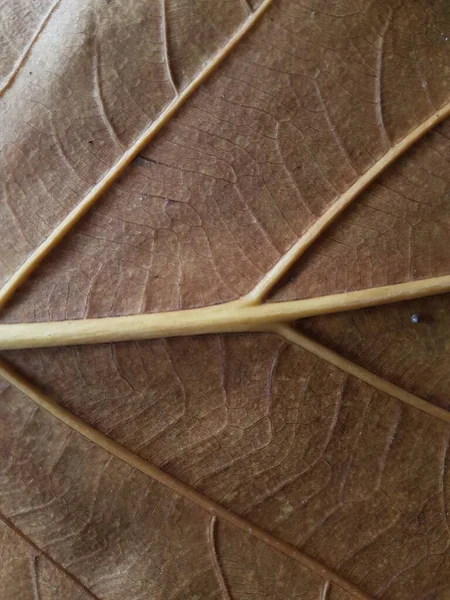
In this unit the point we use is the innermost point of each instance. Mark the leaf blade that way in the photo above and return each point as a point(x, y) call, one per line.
point(58, 233)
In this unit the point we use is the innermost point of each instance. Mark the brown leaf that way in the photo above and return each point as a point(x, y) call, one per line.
point(308, 171)
point(386, 340)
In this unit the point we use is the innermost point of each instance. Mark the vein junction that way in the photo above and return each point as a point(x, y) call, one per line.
point(249, 313)
point(246, 314)
point(231, 317)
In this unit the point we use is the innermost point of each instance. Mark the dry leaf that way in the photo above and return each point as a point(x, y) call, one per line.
point(254, 168)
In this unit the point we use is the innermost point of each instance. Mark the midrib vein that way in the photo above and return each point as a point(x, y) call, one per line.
point(230, 317)
point(74, 216)
point(10, 525)
point(179, 487)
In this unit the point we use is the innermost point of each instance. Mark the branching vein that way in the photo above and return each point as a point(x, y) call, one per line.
point(165, 36)
point(179, 487)
point(378, 88)
point(330, 215)
point(212, 533)
point(294, 336)
point(325, 590)
point(87, 592)
point(100, 188)
point(230, 317)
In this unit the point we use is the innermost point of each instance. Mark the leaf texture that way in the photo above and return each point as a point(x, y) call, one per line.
point(155, 531)
point(28, 572)
point(385, 341)
point(396, 232)
point(252, 462)
point(250, 163)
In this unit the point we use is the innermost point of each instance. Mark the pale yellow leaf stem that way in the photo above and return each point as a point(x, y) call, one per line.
point(230, 317)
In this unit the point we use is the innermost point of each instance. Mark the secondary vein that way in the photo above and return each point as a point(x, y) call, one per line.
point(288, 259)
point(67, 224)
point(10, 525)
point(179, 487)
point(342, 363)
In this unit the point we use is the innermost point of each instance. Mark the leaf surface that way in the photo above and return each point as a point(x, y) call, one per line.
point(252, 462)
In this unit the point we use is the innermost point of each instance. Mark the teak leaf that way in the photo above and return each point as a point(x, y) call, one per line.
point(225, 334)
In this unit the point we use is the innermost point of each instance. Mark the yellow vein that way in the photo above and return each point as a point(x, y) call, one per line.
point(179, 487)
point(304, 242)
point(99, 189)
point(231, 317)
point(23, 57)
point(300, 339)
